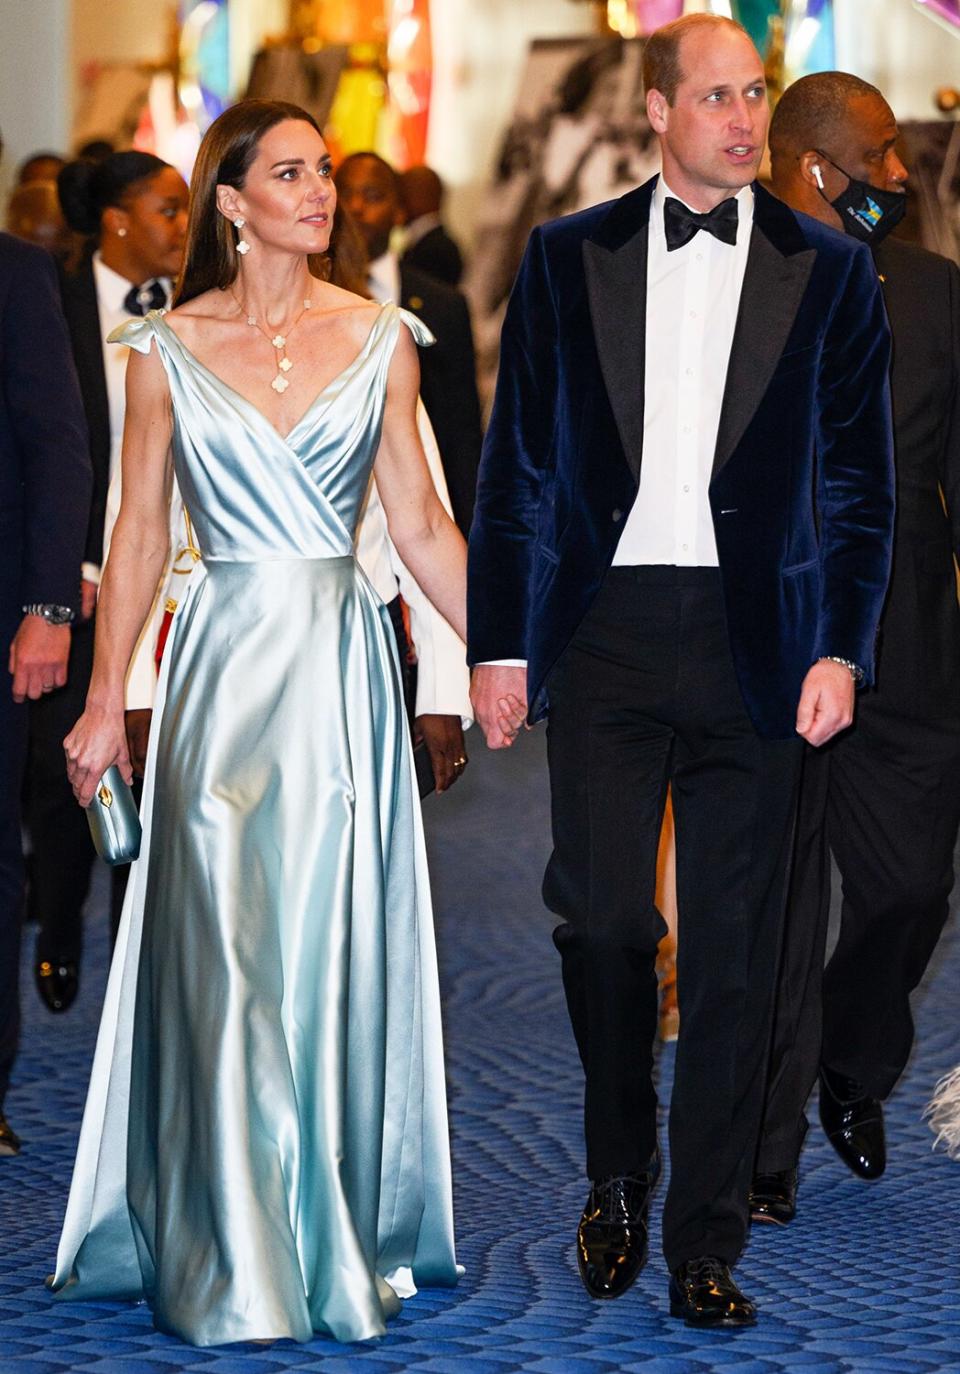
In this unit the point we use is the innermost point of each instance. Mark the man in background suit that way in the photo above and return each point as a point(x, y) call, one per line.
point(428, 244)
point(884, 796)
point(683, 530)
point(45, 483)
point(369, 189)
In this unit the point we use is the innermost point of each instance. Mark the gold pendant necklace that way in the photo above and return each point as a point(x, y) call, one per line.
point(279, 342)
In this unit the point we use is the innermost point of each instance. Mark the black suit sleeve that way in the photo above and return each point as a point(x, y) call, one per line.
point(47, 421)
point(950, 470)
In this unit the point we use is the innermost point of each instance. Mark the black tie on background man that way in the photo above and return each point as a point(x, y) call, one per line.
point(683, 528)
point(885, 796)
point(45, 485)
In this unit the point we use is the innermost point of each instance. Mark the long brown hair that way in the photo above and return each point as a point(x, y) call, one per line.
point(229, 147)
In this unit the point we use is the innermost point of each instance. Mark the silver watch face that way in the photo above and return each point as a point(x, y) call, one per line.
point(56, 615)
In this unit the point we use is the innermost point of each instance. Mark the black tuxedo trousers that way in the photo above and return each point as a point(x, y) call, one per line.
point(646, 695)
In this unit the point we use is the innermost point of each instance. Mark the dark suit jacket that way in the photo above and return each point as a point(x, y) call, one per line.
point(448, 383)
point(437, 254)
point(918, 669)
point(804, 438)
point(44, 463)
point(78, 292)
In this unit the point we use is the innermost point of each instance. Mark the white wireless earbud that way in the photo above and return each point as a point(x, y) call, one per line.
point(817, 175)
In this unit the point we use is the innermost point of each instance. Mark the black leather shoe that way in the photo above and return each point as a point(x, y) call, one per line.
point(703, 1293)
point(57, 983)
point(9, 1140)
point(773, 1197)
point(853, 1122)
point(612, 1235)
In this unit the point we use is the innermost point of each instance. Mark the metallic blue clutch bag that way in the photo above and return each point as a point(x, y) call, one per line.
point(114, 820)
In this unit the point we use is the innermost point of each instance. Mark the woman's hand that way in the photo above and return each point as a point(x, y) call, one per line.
point(97, 741)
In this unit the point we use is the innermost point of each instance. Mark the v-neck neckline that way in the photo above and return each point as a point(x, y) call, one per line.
point(245, 402)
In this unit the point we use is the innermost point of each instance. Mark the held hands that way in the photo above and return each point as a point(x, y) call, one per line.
point(826, 702)
point(96, 741)
point(38, 657)
point(499, 697)
point(443, 736)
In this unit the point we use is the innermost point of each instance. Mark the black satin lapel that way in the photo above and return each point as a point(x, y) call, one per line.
point(617, 290)
point(773, 286)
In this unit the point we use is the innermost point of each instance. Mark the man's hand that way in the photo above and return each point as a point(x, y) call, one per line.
point(443, 736)
point(38, 657)
point(88, 598)
point(826, 702)
point(137, 726)
point(499, 697)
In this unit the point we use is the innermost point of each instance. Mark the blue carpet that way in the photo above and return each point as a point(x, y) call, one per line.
point(866, 1279)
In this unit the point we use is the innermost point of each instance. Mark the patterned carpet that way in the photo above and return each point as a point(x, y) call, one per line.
point(866, 1280)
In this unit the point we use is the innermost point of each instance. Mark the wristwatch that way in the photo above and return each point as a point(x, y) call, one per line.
point(53, 615)
point(854, 669)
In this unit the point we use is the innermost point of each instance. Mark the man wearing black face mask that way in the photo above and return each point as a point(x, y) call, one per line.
point(885, 794)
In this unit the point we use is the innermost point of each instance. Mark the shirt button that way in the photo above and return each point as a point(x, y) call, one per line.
point(686, 488)
point(685, 547)
point(616, 515)
point(693, 314)
point(689, 371)
point(699, 257)
point(686, 429)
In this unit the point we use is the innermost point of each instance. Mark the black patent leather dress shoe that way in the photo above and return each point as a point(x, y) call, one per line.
point(773, 1197)
point(853, 1122)
point(9, 1140)
point(703, 1293)
point(612, 1235)
point(57, 983)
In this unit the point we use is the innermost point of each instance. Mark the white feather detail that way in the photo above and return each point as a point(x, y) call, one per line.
point(943, 1113)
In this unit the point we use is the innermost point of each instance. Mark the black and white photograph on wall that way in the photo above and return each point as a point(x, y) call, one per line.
point(931, 151)
point(579, 135)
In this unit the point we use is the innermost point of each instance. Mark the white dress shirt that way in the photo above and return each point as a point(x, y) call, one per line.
point(693, 296)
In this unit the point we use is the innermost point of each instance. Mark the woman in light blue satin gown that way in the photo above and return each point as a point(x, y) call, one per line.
point(264, 1150)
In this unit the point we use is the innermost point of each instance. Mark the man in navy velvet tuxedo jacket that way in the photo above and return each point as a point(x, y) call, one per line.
point(683, 532)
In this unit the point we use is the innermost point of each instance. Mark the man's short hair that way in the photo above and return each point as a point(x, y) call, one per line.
point(661, 53)
point(370, 156)
point(810, 113)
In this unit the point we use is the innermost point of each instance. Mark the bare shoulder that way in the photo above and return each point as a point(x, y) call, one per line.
point(196, 318)
point(351, 315)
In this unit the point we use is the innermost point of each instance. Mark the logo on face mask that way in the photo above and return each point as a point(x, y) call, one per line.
point(866, 212)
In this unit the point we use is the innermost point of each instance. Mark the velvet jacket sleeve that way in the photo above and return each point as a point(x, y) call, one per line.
point(855, 476)
point(516, 452)
point(46, 414)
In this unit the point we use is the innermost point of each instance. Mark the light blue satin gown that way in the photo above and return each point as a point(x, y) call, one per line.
point(264, 1150)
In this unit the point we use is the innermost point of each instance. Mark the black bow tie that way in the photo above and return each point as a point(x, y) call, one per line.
point(680, 224)
point(149, 296)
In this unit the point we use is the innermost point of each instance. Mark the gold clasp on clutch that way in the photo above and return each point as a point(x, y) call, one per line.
point(105, 795)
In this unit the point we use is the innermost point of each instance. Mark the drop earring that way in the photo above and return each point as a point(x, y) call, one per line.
point(242, 245)
point(121, 233)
